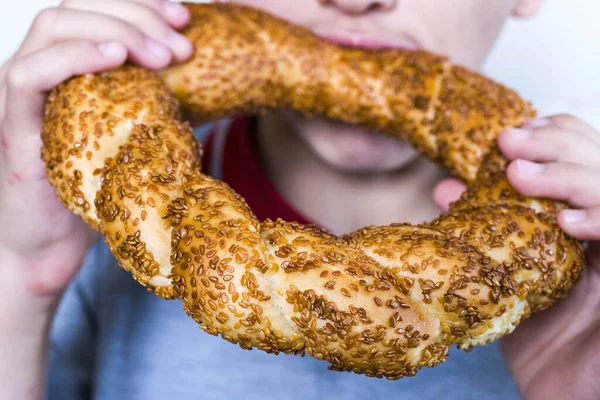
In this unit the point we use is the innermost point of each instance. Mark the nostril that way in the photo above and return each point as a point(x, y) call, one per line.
point(374, 7)
point(360, 6)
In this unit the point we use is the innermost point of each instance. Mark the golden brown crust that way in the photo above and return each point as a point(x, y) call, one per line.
point(382, 301)
point(449, 113)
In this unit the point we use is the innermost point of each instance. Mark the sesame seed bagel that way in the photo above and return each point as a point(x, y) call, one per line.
point(382, 301)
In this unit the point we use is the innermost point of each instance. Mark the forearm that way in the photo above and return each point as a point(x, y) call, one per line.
point(556, 353)
point(25, 322)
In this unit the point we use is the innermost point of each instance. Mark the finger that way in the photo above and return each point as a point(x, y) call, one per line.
point(581, 224)
point(575, 124)
point(149, 20)
point(4, 68)
point(2, 102)
point(577, 184)
point(549, 143)
point(447, 192)
point(30, 77)
point(175, 14)
point(3, 73)
point(96, 28)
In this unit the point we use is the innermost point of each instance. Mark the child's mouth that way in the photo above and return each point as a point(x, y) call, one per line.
point(367, 42)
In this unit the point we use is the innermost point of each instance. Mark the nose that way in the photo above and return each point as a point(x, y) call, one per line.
point(357, 7)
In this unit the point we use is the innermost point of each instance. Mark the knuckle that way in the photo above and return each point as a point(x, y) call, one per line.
point(45, 19)
point(63, 51)
point(151, 21)
point(128, 34)
point(156, 4)
point(575, 194)
point(565, 145)
point(17, 76)
point(4, 69)
point(555, 140)
point(72, 50)
point(565, 120)
point(67, 3)
point(595, 221)
point(148, 14)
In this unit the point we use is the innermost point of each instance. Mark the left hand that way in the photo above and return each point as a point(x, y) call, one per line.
point(556, 354)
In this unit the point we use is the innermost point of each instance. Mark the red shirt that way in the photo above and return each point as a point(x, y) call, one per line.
point(231, 154)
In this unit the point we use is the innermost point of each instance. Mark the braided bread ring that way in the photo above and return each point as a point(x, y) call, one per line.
point(383, 301)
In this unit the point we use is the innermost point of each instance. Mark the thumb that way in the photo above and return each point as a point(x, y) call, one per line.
point(448, 191)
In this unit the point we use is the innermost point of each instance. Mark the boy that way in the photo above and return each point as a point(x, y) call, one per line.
point(111, 339)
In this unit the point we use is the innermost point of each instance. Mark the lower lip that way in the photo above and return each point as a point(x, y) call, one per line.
point(367, 43)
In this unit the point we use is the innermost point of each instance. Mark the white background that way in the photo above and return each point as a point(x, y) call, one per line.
point(552, 60)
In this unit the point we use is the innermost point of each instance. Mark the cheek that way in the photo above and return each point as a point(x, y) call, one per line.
point(465, 30)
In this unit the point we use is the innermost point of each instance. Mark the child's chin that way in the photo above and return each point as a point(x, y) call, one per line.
point(359, 151)
point(352, 160)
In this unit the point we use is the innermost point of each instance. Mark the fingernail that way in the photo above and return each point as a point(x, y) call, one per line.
point(157, 48)
point(111, 49)
point(174, 10)
point(180, 42)
point(536, 123)
point(518, 133)
point(572, 216)
point(529, 168)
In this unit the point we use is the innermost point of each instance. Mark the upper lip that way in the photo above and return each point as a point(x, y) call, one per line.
point(365, 41)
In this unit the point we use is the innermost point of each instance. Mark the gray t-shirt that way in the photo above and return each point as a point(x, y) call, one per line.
point(111, 339)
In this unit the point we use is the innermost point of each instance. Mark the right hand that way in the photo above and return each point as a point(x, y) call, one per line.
point(42, 244)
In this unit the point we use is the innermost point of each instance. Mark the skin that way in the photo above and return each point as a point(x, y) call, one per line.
point(552, 355)
point(355, 165)
point(41, 243)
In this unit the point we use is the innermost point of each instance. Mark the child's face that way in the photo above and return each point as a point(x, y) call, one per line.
point(464, 30)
